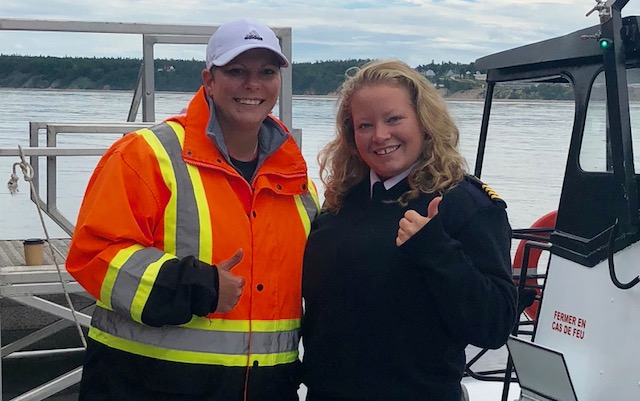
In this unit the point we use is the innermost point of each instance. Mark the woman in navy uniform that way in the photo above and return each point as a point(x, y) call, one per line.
point(398, 280)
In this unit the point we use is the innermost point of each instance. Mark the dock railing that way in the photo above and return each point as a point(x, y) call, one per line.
point(49, 202)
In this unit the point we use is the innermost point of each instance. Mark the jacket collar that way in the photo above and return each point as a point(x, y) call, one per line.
point(204, 144)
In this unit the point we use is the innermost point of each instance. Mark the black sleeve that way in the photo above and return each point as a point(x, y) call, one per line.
point(469, 275)
point(183, 288)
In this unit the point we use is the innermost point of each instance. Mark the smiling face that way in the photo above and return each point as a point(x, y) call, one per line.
point(386, 129)
point(244, 90)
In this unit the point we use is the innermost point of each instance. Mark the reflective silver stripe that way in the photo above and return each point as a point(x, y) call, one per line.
point(310, 205)
point(186, 339)
point(187, 224)
point(129, 276)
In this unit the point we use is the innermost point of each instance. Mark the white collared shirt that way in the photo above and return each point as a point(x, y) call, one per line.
point(389, 183)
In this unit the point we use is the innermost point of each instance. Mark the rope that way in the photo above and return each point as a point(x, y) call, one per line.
point(27, 173)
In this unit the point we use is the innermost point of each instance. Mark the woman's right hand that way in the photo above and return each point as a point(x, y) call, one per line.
point(229, 285)
point(412, 222)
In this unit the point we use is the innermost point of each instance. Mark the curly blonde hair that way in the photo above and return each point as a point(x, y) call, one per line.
point(440, 166)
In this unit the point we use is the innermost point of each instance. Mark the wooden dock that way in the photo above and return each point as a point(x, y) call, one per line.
point(12, 253)
point(17, 279)
point(27, 292)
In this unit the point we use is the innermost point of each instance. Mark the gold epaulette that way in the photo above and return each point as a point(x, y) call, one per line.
point(482, 188)
point(492, 194)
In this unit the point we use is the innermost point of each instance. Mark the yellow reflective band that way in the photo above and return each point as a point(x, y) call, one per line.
point(274, 359)
point(144, 289)
point(314, 193)
point(166, 169)
point(112, 272)
point(191, 356)
point(302, 210)
point(266, 326)
point(179, 131)
point(304, 216)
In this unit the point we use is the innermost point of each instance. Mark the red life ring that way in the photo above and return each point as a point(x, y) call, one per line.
point(546, 221)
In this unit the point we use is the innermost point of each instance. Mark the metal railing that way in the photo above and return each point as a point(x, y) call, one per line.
point(49, 202)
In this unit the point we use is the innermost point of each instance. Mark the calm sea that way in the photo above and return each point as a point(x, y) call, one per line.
point(524, 162)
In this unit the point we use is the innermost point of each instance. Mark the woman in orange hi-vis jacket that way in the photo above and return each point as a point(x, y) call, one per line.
point(191, 237)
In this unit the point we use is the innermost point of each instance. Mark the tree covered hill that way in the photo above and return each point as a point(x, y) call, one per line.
point(95, 73)
point(317, 78)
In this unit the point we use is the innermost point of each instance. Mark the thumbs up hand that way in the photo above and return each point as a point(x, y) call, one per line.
point(412, 222)
point(229, 285)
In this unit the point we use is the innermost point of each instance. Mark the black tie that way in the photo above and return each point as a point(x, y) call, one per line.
point(378, 191)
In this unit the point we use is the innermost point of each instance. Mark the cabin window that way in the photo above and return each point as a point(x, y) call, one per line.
point(529, 133)
point(595, 153)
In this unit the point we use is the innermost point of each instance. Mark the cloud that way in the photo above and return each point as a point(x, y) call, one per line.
point(416, 31)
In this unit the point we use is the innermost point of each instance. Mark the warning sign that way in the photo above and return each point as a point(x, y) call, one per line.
point(569, 325)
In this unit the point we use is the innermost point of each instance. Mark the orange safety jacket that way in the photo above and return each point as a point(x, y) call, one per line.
point(168, 192)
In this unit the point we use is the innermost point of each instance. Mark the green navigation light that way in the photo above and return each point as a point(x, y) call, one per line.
point(605, 43)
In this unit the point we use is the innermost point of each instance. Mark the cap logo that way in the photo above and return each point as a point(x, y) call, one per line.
point(253, 35)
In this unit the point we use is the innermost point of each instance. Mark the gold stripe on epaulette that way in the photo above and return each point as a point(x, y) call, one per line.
point(492, 194)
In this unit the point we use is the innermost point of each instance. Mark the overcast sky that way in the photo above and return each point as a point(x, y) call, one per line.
point(416, 31)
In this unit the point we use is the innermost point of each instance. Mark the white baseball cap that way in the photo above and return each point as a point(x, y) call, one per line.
point(236, 37)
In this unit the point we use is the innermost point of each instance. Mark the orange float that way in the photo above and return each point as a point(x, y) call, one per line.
point(548, 221)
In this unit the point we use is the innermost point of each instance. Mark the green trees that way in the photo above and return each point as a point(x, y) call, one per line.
point(67, 73)
point(321, 77)
point(317, 78)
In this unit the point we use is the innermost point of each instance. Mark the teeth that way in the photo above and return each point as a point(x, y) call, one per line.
point(252, 102)
point(387, 150)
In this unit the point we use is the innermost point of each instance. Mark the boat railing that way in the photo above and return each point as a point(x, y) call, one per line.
point(48, 201)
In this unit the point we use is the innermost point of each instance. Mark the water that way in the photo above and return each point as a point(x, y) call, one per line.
point(524, 160)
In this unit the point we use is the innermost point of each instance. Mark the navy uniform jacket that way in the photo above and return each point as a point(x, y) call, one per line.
point(391, 323)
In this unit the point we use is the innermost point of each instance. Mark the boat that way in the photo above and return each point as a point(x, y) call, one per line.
point(581, 343)
point(576, 267)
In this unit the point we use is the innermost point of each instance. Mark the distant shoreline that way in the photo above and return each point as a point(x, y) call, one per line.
point(469, 95)
point(474, 95)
